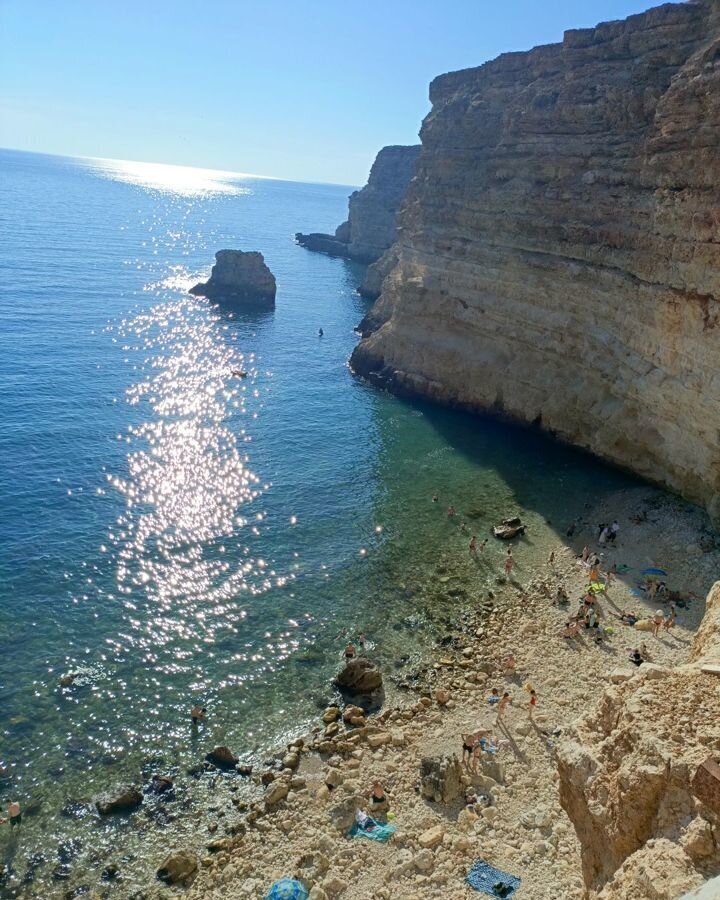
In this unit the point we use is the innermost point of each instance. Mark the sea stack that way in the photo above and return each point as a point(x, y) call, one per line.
point(371, 226)
point(241, 277)
point(558, 258)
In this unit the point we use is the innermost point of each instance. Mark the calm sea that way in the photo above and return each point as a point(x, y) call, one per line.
point(174, 535)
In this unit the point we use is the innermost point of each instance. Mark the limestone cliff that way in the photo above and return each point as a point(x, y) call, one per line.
point(371, 226)
point(559, 251)
point(648, 823)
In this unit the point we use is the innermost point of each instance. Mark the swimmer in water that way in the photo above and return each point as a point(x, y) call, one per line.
point(320, 332)
point(238, 373)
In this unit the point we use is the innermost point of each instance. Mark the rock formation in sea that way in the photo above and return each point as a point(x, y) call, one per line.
point(241, 277)
point(639, 778)
point(371, 226)
point(558, 258)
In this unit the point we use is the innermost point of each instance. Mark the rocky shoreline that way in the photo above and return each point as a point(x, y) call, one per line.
point(313, 787)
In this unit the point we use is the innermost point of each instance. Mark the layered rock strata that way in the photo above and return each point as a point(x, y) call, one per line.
point(648, 826)
point(239, 276)
point(371, 226)
point(558, 258)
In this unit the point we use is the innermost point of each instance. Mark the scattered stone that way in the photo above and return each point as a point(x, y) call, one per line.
point(125, 800)
point(440, 778)
point(178, 868)
point(359, 676)
point(432, 837)
point(222, 757)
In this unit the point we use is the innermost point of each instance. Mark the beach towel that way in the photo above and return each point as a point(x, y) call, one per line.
point(483, 877)
point(287, 889)
point(373, 831)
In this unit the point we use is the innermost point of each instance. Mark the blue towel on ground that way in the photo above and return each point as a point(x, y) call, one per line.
point(379, 833)
point(482, 876)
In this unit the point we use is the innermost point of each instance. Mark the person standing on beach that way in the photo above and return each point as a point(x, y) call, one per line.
point(509, 563)
point(483, 545)
point(473, 546)
point(505, 701)
point(613, 532)
point(658, 622)
point(532, 703)
point(350, 653)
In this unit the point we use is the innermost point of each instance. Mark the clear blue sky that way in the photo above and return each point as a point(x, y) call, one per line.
point(300, 89)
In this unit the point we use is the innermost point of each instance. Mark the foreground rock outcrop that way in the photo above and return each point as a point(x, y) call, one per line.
point(558, 259)
point(239, 276)
point(371, 226)
point(639, 780)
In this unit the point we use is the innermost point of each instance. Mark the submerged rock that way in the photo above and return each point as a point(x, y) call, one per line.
point(239, 276)
point(125, 800)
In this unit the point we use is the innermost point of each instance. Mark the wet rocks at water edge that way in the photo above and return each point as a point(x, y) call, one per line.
point(180, 867)
point(241, 277)
point(359, 676)
point(124, 800)
point(222, 757)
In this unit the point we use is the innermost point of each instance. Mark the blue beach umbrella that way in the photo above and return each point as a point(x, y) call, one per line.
point(287, 889)
point(654, 572)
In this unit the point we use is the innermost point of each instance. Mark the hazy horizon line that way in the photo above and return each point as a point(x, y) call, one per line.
point(226, 172)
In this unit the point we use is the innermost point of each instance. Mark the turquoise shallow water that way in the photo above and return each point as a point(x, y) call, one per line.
point(177, 535)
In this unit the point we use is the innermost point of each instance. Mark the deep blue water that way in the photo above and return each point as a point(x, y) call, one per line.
point(178, 535)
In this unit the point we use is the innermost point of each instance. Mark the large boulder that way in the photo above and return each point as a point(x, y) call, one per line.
point(239, 276)
point(178, 868)
point(440, 778)
point(124, 800)
point(359, 676)
point(223, 757)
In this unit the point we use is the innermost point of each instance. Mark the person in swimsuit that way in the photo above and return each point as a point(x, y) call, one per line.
point(658, 622)
point(14, 813)
point(505, 701)
point(533, 703)
point(472, 546)
point(378, 798)
point(350, 653)
point(197, 715)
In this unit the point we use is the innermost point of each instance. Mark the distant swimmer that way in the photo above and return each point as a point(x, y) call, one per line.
point(350, 653)
point(197, 715)
point(320, 332)
point(238, 373)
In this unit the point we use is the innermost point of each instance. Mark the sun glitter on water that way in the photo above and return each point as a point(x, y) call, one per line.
point(187, 478)
point(185, 181)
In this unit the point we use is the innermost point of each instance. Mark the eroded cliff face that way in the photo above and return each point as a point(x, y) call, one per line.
point(559, 253)
point(371, 226)
point(628, 777)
